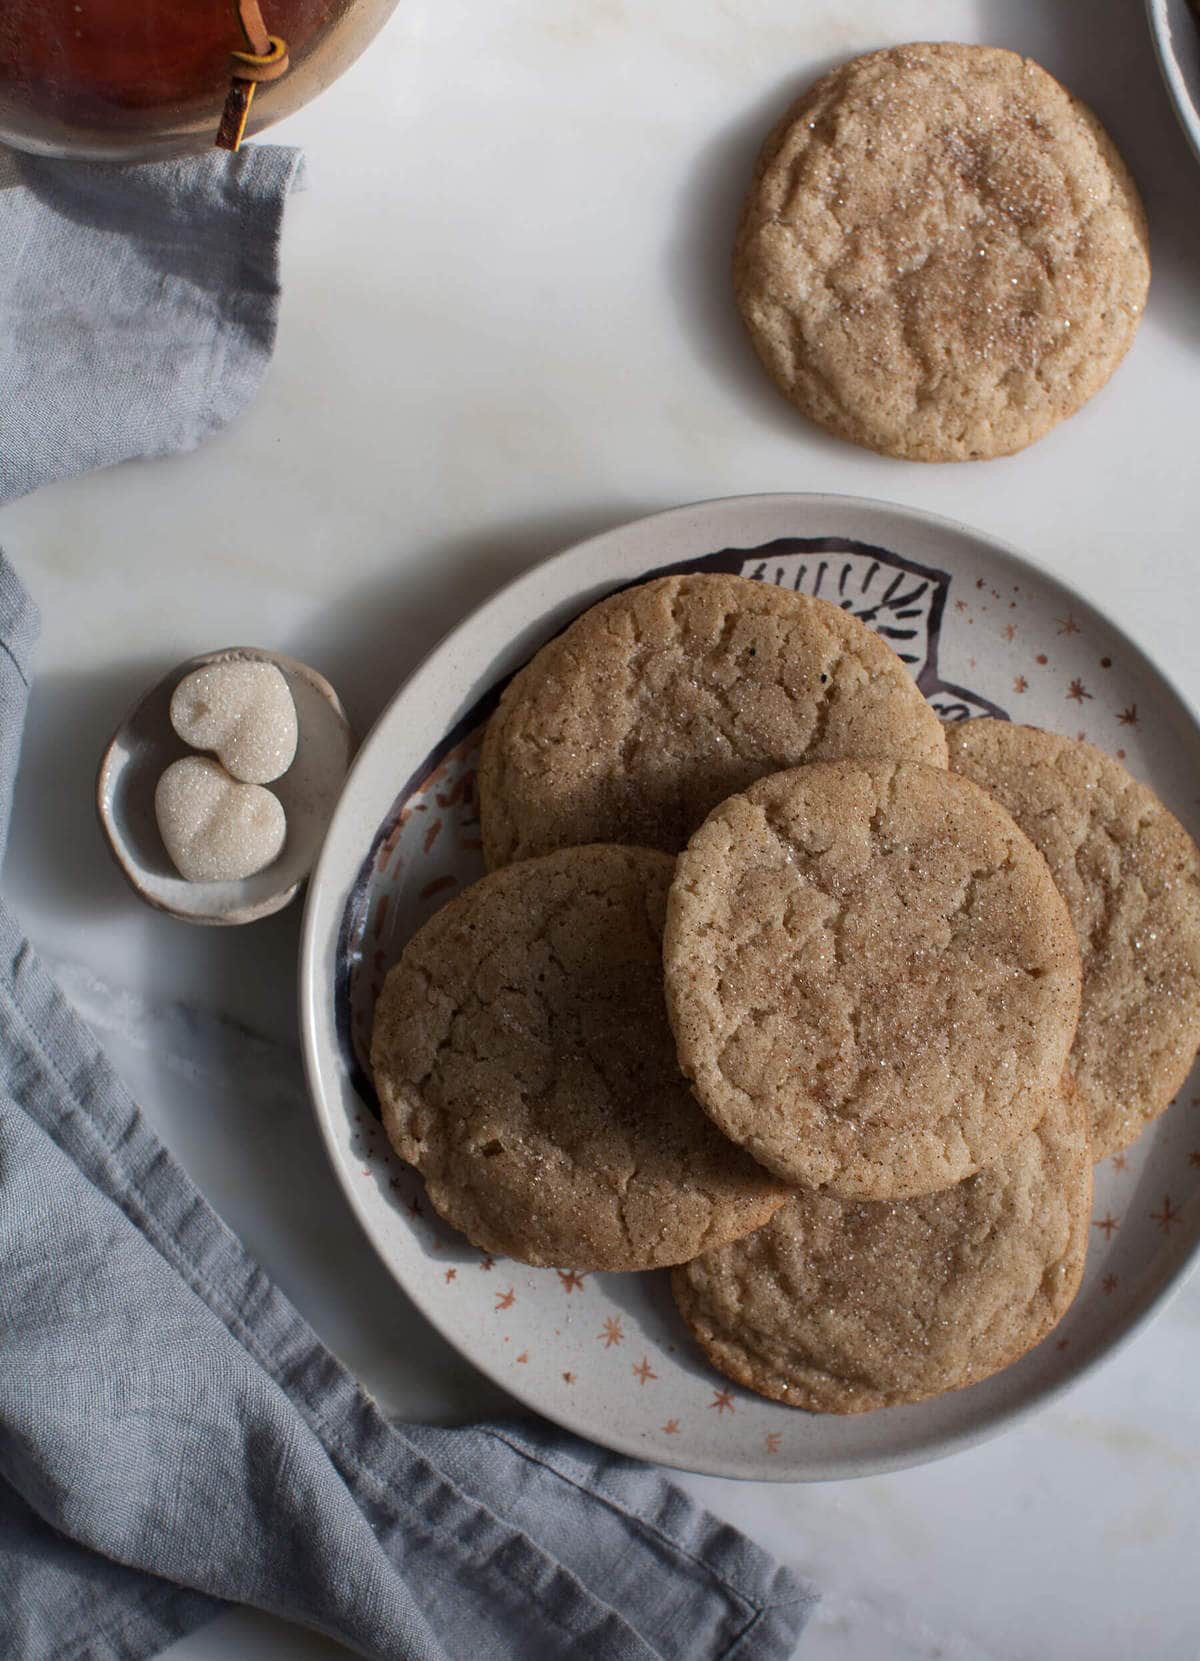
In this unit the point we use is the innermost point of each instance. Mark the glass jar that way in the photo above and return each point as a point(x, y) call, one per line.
point(133, 80)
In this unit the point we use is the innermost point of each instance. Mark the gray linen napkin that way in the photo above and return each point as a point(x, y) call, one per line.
point(173, 1437)
point(137, 304)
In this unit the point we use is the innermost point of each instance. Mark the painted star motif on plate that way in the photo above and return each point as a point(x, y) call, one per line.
point(1168, 1216)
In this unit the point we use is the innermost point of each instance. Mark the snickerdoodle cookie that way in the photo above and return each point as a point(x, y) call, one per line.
point(1130, 875)
point(665, 698)
point(942, 254)
point(872, 979)
point(525, 1066)
point(841, 1306)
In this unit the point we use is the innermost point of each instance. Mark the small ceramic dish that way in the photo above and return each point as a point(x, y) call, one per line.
point(983, 632)
point(145, 743)
point(1175, 25)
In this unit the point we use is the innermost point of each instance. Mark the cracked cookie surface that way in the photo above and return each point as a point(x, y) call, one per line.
point(1130, 875)
point(525, 1066)
point(942, 254)
point(872, 979)
point(665, 698)
point(842, 1306)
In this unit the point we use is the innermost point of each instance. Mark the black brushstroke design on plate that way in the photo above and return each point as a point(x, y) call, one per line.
point(903, 601)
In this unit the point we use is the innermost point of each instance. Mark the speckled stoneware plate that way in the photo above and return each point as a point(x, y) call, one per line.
point(1175, 26)
point(606, 1355)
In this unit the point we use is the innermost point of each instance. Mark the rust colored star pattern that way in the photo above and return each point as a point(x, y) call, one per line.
point(1010, 631)
point(612, 1333)
point(568, 1378)
point(1108, 1224)
point(643, 1372)
point(980, 583)
point(522, 1358)
point(960, 605)
point(571, 1282)
point(1078, 691)
point(771, 1441)
point(1067, 624)
point(723, 1402)
point(505, 1300)
point(1194, 1157)
point(1168, 1216)
point(1020, 684)
point(1042, 659)
point(1128, 717)
point(451, 1274)
point(671, 1428)
point(1109, 1285)
point(1119, 1162)
point(487, 1264)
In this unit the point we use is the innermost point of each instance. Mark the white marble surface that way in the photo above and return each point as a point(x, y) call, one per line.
point(506, 324)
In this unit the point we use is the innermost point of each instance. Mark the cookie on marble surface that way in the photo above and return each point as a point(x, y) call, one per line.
point(842, 1306)
point(1130, 875)
point(872, 979)
point(942, 254)
point(665, 698)
point(525, 1066)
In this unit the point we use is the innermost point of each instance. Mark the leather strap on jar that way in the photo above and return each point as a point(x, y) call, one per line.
point(264, 58)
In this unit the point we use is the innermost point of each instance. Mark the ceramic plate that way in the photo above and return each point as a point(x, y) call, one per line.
point(1176, 30)
point(606, 1355)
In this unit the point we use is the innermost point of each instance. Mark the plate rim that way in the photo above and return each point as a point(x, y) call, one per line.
point(312, 982)
point(1183, 100)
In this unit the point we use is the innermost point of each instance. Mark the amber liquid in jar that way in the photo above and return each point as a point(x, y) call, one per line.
point(135, 79)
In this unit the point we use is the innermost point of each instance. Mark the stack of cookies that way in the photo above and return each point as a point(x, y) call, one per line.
point(777, 983)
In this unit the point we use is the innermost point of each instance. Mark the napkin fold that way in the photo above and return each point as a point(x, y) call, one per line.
point(137, 304)
point(173, 1436)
